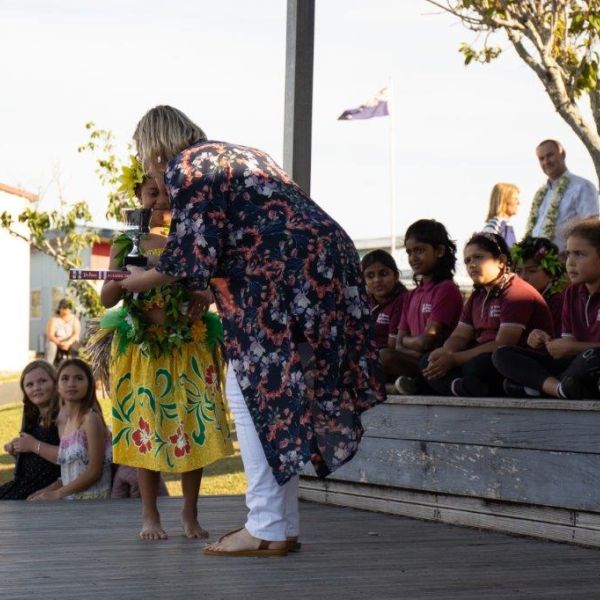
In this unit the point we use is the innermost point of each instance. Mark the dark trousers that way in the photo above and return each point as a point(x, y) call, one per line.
point(531, 368)
point(480, 368)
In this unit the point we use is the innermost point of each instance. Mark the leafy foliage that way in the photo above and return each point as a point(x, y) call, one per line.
point(63, 234)
point(108, 168)
point(558, 39)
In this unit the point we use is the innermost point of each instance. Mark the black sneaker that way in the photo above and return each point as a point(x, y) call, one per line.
point(573, 388)
point(516, 390)
point(407, 386)
point(470, 387)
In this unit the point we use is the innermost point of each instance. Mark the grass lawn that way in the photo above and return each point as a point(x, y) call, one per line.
point(225, 477)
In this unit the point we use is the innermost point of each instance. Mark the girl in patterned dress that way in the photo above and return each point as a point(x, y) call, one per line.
point(84, 453)
point(289, 287)
point(165, 379)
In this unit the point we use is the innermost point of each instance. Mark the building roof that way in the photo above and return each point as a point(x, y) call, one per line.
point(9, 189)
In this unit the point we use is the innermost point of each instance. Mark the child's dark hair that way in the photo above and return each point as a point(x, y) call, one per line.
point(433, 233)
point(90, 401)
point(379, 256)
point(542, 251)
point(387, 260)
point(31, 413)
point(589, 230)
point(493, 243)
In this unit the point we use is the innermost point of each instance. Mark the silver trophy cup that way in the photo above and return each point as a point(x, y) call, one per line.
point(137, 221)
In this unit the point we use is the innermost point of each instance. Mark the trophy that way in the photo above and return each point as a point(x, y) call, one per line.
point(137, 221)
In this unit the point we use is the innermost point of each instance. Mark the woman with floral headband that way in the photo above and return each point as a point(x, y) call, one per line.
point(165, 374)
point(295, 310)
point(537, 261)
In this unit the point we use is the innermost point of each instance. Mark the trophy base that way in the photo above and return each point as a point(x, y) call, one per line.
point(135, 261)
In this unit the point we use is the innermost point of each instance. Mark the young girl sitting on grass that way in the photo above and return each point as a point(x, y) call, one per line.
point(84, 453)
point(37, 446)
point(501, 311)
point(386, 295)
point(430, 311)
point(537, 261)
point(569, 366)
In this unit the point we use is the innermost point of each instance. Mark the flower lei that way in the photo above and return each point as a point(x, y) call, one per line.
point(547, 258)
point(552, 214)
point(131, 326)
point(132, 176)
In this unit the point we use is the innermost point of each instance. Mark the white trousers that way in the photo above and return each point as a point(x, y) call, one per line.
point(272, 508)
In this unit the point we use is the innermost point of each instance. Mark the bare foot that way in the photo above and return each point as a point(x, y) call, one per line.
point(242, 540)
point(152, 529)
point(192, 529)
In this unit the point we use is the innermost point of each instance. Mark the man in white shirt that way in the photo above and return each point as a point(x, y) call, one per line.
point(565, 199)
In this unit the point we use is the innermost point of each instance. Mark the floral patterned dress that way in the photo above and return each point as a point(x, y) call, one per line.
point(286, 273)
point(166, 385)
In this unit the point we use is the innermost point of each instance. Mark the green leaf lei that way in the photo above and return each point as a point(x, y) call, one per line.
point(549, 228)
point(130, 325)
point(546, 258)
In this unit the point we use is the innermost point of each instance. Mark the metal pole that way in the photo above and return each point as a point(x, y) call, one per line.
point(392, 167)
point(299, 91)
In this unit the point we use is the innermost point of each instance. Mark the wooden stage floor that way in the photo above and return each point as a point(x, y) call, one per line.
point(81, 550)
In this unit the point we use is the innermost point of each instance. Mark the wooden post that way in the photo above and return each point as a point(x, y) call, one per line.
point(299, 91)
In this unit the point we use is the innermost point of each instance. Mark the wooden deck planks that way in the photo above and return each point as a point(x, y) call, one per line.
point(89, 550)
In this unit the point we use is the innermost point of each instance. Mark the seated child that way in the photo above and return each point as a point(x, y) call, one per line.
point(85, 452)
point(567, 367)
point(386, 295)
point(537, 261)
point(430, 311)
point(37, 446)
point(125, 483)
point(501, 311)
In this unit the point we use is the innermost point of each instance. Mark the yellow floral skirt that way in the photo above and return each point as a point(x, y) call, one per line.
point(168, 412)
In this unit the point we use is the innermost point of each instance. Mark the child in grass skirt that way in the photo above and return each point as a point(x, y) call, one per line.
point(166, 378)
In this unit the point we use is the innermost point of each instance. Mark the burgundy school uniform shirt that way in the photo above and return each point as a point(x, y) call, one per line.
point(555, 304)
point(441, 302)
point(386, 317)
point(581, 314)
point(513, 302)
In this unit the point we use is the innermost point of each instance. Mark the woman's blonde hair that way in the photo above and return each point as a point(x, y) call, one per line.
point(501, 194)
point(162, 133)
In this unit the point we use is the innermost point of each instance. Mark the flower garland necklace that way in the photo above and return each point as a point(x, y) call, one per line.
point(549, 227)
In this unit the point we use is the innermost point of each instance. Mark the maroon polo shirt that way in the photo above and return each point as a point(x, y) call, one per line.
point(514, 302)
point(581, 314)
point(441, 302)
point(555, 304)
point(386, 318)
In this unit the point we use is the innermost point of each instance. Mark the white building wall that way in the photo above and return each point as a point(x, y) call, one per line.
point(14, 295)
point(51, 282)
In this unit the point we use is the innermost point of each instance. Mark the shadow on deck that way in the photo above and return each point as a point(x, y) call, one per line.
point(89, 550)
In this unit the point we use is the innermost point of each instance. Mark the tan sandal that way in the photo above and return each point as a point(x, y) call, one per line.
point(263, 550)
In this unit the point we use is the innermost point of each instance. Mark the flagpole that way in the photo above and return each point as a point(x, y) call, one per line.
point(392, 110)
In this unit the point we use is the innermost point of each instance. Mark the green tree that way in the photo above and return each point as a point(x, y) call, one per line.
point(557, 39)
point(62, 234)
point(58, 234)
point(108, 168)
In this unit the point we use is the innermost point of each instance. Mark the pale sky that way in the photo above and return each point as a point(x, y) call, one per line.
point(458, 130)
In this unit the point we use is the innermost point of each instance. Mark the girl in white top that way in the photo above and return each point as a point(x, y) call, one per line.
point(85, 452)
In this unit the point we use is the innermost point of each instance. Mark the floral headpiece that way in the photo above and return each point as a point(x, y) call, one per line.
point(542, 251)
point(132, 176)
